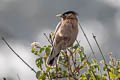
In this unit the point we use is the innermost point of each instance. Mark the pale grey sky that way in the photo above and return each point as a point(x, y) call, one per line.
point(25, 21)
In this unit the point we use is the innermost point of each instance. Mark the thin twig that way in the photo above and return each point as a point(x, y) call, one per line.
point(88, 56)
point(17, 55)
point(48, 39)
point(89, 45)
point(87, 40)
point(87, 61)
point(79, 45)
point(60, 77)
point(51, 39)
point(72, 58)
point(56, 71)
point(69, 67)
point(51, 42)
point(99, 47)
point(18, 77)
point(49, 76)
point(101, 53)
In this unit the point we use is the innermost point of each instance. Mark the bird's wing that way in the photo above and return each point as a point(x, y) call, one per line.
point(57, 27)
point(52, 59)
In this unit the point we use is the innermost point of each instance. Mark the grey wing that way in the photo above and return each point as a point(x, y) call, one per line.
point(57, 27)
point(52, 59)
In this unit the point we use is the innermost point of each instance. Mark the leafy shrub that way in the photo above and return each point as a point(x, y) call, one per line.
point(73, 64)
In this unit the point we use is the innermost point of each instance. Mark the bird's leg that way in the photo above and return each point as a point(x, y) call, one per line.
point(56, 72)
point(73, 58)
point(66, 56)
point(68, 62)
point(71, 73)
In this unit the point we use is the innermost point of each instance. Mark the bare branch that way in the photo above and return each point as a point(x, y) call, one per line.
point(87, 40)
point(18, 77)
point(18, 55)
point(88, 57)
point(49, 40)
point(101, 53)
point(56, 71)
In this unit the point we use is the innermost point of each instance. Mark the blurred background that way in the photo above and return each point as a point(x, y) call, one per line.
point(24, 21)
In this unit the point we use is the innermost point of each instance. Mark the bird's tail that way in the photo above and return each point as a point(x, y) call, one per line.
point(53, 57)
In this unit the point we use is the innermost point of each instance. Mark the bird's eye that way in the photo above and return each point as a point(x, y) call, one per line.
point(66, 14)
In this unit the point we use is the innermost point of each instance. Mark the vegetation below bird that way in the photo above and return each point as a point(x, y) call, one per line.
point(74, 64)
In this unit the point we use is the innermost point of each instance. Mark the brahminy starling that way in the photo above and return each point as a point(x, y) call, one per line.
point(65, 35)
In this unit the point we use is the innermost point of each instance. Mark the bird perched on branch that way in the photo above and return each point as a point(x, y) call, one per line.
point(65, 35)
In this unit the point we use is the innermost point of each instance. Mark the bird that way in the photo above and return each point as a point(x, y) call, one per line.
point(64, 36)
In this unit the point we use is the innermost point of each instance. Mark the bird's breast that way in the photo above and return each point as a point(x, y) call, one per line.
point(69, 29)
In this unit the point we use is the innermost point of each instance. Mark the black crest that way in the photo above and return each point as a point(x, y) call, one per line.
point(68, 12)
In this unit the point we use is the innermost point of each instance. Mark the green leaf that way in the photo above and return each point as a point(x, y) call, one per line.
point(38, 47)
point(52, 34)
point(36, 52)
point(97, 66)
point(33, 49)
point(59, 69)
point(91, 68)
point(102, 62)
point(75, 46)
point(78, 60)
point(98, 77)
point(48, 69)
point(39, 62)
point(4, 78)
point(94, 60)
point(88, 63)
point(104, 68)
point(81, 66)
point(64, 73)
point(82, 49)
point(112, 75)
point(83, 76)
point(104, 76)
point(43, 77)
point(118, 63)
point(80, 56)
point(82, 59)
point(47, 51)
point(61, 58)
point(38, 74)
point(41, 50)
point(52, 73)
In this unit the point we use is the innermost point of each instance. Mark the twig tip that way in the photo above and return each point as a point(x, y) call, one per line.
point(93, 35)
point(44, 33)
point(2, 38)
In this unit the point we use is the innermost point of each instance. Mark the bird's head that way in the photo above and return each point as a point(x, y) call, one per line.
point(68, 15)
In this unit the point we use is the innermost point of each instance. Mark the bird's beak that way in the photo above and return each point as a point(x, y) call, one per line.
point(59, 15)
